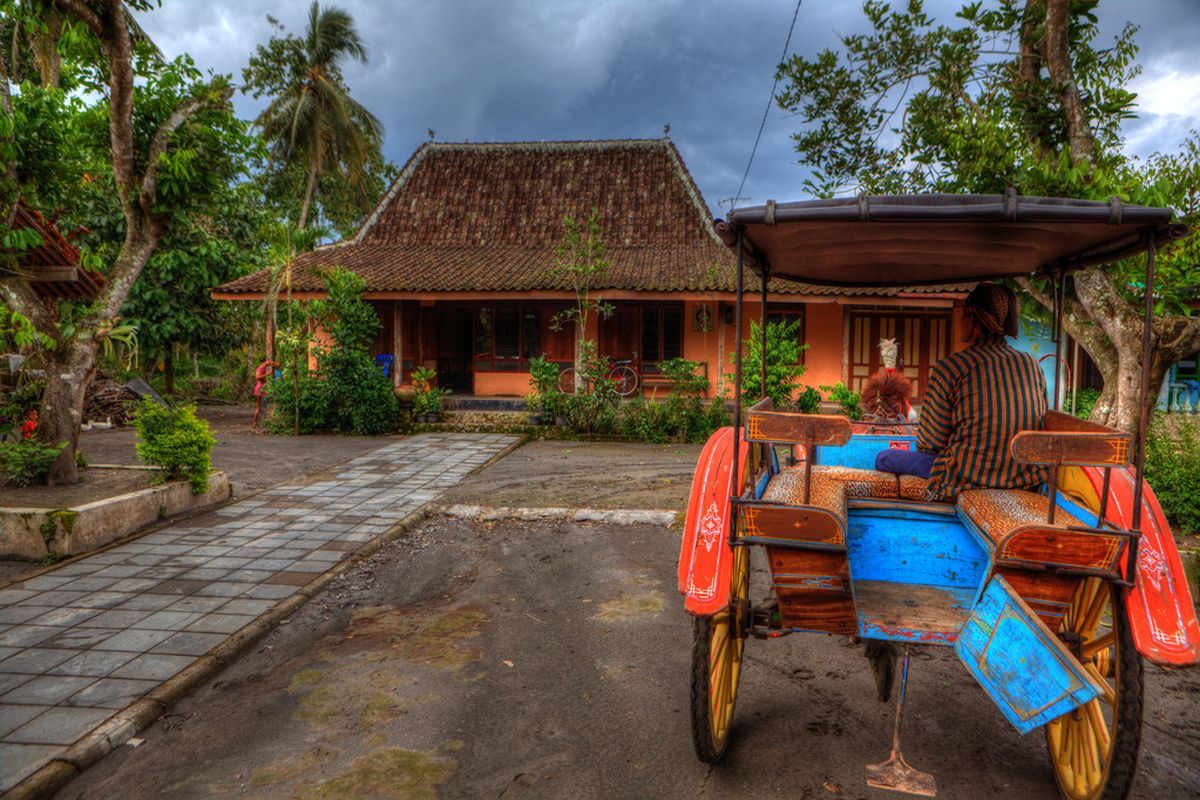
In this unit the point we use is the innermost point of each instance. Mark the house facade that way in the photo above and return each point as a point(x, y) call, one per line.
point(459, 262)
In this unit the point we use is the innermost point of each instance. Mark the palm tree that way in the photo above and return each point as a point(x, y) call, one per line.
point(314, 120)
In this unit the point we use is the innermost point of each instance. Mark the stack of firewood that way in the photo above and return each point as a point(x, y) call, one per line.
point(108, 401)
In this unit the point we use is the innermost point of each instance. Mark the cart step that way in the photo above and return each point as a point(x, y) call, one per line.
point(911, 612)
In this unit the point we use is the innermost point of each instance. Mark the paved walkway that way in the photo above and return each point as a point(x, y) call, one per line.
point(82, 642)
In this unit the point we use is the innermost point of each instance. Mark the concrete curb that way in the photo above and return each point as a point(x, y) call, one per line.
point(127, 722)
point(619, 516)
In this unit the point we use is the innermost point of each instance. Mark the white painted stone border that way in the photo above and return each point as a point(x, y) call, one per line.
point(618, 516)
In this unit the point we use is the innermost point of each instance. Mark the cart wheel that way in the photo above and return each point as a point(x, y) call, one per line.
point(566, 381)
point(626, 379)
point(1094, 748)
point(717, 646)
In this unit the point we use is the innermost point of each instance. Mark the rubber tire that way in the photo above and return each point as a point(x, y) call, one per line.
point(626, 379)
point(1127, 717)
point(706, 750)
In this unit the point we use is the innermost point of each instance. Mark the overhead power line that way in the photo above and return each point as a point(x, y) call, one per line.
point(775, 84)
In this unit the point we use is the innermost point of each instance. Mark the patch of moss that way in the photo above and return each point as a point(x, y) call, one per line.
point(391, 774)
point(426, 636)
point(304, 680)
point(318, 706)
point(60, 520)
point(631, 606)
point(380, 708)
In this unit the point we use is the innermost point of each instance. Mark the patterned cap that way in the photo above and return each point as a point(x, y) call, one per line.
point(995, 307)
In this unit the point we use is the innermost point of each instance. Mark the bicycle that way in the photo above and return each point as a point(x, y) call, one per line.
point(621, 373)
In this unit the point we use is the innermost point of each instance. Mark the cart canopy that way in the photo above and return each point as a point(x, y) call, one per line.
point(911, 240)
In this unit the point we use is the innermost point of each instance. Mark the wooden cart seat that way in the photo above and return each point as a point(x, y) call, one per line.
point(862, 483)
point(916, 488)
point(828, 494)
point(998, 512)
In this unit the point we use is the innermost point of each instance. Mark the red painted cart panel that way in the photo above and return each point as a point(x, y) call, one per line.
point(705, 557)
point(1161, 614)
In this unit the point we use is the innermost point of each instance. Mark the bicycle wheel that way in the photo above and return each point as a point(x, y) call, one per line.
point(566, 381)
point(626, 379)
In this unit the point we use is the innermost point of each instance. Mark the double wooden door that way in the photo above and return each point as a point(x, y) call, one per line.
point(923, 338)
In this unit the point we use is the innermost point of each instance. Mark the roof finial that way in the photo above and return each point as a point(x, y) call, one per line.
point(432, 133)
point(667, 129)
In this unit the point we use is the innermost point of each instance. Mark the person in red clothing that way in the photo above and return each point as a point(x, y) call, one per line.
point(260, 387)
point(29, 426)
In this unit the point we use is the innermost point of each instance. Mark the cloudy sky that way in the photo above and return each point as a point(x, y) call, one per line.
point(509, 70)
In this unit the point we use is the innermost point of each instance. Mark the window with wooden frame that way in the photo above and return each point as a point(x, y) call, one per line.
point(508, 335)
point(662, 334)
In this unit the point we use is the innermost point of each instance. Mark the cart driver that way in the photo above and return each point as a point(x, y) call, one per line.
point(976, 400)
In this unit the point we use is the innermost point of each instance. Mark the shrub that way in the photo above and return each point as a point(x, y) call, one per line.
point(593, 409)
point(648, 421)
point(849, 402)
point(173, 439)
point(809, 401)
point(28, 461)
point(546, 399)
point(1173, 469)
point(347, 394)
point(1085, 401)
point(783, 363)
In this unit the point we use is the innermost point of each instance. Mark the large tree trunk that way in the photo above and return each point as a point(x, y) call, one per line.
point(69, 373)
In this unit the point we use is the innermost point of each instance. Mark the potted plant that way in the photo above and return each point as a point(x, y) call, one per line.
point(534, 406)
point(423, 399)
point(433, 400)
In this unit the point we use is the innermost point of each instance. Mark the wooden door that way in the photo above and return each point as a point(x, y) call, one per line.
point(923, 339)
point(620, 334)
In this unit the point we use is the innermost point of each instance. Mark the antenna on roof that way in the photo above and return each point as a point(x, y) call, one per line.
point(432, 133)
point(732, 201)
point(667, 129)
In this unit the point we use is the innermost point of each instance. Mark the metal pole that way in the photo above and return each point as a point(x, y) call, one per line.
point(1143, 399)
point(737, 393)
point(762, 321)
point(1060, 296)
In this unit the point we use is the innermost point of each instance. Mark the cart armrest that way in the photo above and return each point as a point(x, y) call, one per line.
point(765, 424)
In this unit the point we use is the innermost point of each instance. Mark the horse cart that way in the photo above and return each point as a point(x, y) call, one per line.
point(1050, 599)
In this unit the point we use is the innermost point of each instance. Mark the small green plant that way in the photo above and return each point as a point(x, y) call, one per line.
point(649, 421)
point(1173, 470)
point(28, 461)
point(849, 402)
point(782, 356)
point(1085, 401)
point(809, 401)
point(592, 409)
point(546, 399)
point(175, 440)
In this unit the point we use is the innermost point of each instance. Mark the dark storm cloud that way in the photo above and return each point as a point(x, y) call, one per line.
point(559, 69)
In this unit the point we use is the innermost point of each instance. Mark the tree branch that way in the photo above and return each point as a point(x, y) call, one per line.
point(149, 187)
point(19, 296)
point(1056, 52)
point(85, 14)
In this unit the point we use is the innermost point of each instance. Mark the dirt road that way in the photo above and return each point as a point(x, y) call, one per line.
point(550, 660)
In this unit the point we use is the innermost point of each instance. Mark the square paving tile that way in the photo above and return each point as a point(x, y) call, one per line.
point(149, 602)
point(10, 681)
point(168, 620)
point(311, 567)
point(43, 582)
point(204, 574)
point(241, 606)
point(56, 597)
point(101, 600)
point(88, 584)
point(291, 578)
point(35, 660)
point(60, 725)
point(153, 667)
point(119, 571)
point(220, 623)
point(180, 587)
point(119, 618)
point(112, 693)
point(96, 663)
point(134, 584)
point(249, 575)
point(27, 635)
point(46, 690)
point(64, 617)
point(190, 643)
point(12, 596)
point(13, 717)
point(223, 589)
point(79, 638)
point(19, 761)
point(15, 615)
point(198, 603)
point(271, 591)
point(133, 641)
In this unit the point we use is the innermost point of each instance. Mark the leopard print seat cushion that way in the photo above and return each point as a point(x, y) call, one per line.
point(862, 483)
point(916, 488)
point(788, 487)
point(997, 512)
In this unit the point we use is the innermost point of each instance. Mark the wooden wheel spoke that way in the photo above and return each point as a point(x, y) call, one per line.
point(1094, 609)
point(1094, 646)
point(1099, 727)
point(1110, 695)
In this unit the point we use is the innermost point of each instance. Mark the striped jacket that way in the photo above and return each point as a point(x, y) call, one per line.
point(976, 401)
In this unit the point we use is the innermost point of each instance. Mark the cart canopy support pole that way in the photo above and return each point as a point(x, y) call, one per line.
point(1060, 298)
point(1144, 398)
point(762, 321)
point(737, 392)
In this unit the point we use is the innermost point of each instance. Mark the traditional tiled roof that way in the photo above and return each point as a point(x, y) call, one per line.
point(53, 266)
point(489, 217)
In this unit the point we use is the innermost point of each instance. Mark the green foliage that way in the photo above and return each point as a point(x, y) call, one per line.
point(1085, 401)
point(175, 440)
point(27, 461)
point(428, 399)
point(315, 128)
point(359, 399)
point(649, 421)
point(546, 399)
point(580, 259)
point(1173, 470)
point(849, 402)
point(593, 407)
point(809, 401)
point(354, 323)
point(783, 363)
